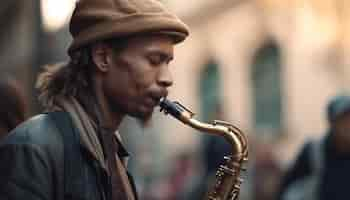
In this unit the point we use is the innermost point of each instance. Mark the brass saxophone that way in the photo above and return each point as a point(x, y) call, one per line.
point(228, 179)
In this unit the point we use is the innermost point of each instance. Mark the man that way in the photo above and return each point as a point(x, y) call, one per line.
point(119, 66)
point(13, 105)
point(321, 170)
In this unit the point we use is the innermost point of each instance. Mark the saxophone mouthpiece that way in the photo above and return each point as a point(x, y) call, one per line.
point(169, 107)
point(175, 109)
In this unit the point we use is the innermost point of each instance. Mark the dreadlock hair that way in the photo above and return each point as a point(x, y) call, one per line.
point(71, 79)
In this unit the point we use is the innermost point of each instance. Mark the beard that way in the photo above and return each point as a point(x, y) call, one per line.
point(144, 118)
point(145, 122)
point(142, 113)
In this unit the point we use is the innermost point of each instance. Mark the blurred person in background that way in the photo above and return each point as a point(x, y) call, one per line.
point(321, 170)
point(182, 181)
point(13, 104)
point(215, 148)
point(265, 169)
point(119, 66)
point(213, 153)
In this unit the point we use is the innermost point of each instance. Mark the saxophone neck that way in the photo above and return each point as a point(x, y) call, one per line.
point(231, 133)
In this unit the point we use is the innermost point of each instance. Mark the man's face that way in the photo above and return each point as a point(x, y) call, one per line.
point(342, 128)
point(139, 75)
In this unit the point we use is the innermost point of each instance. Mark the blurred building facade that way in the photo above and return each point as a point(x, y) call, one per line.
point(279, 62)
point(276, 63)
point(27, 45)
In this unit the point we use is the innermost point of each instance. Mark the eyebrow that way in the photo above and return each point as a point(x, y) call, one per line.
point(162, 54)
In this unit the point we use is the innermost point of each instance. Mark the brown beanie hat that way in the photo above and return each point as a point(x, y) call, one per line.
point(94, 20)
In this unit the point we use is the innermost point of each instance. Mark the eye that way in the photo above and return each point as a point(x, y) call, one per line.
point(155, 60)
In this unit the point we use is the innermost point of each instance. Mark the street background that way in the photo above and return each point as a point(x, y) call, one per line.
point(267, 66)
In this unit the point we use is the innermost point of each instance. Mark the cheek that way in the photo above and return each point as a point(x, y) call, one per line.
point(113, 89)
point(143, 76)
point(132, 76)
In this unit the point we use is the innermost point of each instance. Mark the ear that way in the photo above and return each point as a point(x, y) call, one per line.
point(100, 53)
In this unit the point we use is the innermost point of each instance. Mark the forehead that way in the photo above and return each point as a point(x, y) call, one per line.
point(150, 42)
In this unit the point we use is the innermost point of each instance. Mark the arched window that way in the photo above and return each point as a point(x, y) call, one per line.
point(209, 90)
point(266, 83)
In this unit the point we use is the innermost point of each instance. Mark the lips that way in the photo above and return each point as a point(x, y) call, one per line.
point(150, 102)
point(157, 96)
point(154, 99)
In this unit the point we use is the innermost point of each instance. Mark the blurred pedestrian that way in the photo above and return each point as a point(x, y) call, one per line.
point(13, 104)
point(266, 169)
point(182, 180)
point(321, 170)
point(214, 150)
point(119, 66)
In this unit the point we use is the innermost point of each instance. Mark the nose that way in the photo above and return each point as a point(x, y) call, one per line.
point(165, 78)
